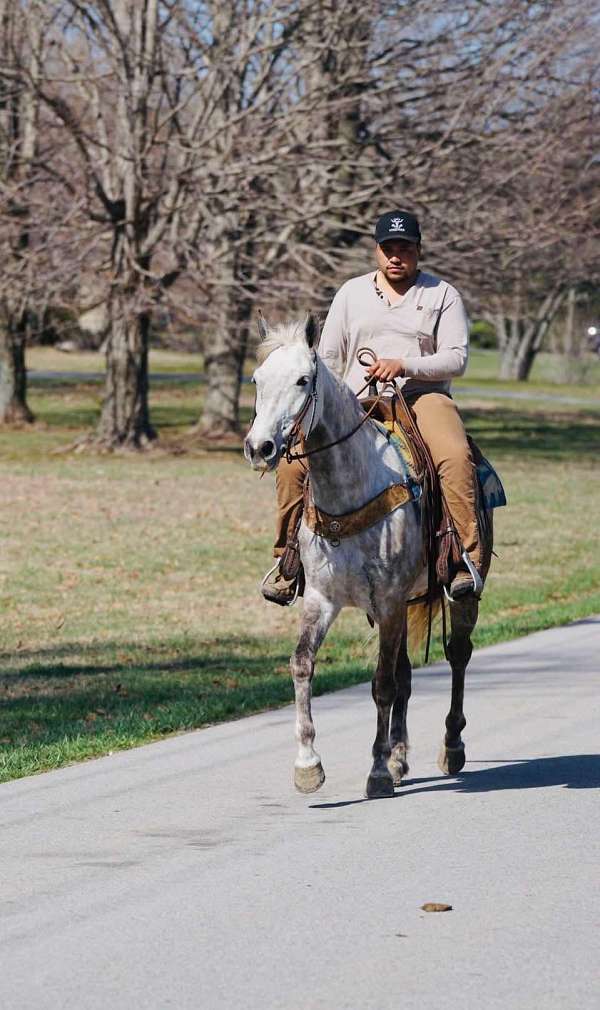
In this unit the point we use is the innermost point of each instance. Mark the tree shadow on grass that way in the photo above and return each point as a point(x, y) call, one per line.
point(535, 435)
point(100, 658)
point(125, 692)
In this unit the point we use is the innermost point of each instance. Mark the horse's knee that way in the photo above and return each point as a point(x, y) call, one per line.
point(383, 689)
point(302, 666)
point(459, 652)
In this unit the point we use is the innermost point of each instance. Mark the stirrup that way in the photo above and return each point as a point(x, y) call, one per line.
point(290, 602)
point(477, 580)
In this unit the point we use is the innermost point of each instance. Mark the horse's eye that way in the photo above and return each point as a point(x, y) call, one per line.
point(302, 381)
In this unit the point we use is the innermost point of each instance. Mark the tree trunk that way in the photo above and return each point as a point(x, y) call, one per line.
point(225, 356)
point(224, 365)
point(516, 361)
point(571, 350)
point(125, 421)
point(13, 374)
point(524, 338)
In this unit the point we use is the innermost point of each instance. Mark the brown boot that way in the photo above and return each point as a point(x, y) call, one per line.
point(462, 584)
point(276, 589)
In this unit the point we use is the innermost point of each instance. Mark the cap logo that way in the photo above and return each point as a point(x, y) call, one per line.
point(397, 224)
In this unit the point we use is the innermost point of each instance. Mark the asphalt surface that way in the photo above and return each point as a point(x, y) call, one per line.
point(189, 874)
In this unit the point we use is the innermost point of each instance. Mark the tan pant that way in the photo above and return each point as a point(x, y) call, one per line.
point(442, 429)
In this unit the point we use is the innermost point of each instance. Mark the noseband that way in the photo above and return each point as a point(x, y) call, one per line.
point(295, 430)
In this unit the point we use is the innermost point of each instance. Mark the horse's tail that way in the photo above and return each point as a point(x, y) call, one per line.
point(419, 617)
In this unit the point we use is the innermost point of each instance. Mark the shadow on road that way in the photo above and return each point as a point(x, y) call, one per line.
point(572, 771)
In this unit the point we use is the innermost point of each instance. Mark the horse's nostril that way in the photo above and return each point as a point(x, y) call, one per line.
point(267, 449)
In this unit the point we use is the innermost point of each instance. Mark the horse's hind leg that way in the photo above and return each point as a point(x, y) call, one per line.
point(317, 616)
point(398, 762)
point(463, 618)
point(380, 782)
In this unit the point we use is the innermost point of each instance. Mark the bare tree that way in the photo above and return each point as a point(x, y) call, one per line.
point(21, 45)
point(166, 107)
point(247, 143)
point(519, 225)
point(121, 86)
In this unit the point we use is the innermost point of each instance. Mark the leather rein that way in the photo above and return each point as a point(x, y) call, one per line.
point(365, 357)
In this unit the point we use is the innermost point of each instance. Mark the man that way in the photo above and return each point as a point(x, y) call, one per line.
point(417, 326)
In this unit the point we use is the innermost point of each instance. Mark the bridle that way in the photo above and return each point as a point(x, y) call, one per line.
point(365, 357)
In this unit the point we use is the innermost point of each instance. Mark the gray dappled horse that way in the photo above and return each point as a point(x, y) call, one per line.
point(376, 570)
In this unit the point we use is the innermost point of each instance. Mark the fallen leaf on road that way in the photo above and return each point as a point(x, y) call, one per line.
point(435, 906)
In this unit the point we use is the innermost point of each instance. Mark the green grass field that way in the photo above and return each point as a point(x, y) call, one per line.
point(129, 587)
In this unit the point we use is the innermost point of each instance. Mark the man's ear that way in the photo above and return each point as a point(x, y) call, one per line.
point(312, 330)
point(263, 327)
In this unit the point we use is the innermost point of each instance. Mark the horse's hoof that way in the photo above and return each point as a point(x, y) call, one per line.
point(398, 768)
point(451, 760)
point(308, 780)
point(379, 787)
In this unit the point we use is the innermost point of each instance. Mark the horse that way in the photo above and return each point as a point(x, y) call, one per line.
point(377, 570)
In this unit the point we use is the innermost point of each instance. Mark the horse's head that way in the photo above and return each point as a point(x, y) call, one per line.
point(284, 381)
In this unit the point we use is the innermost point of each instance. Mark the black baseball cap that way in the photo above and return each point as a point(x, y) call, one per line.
point(397, 224)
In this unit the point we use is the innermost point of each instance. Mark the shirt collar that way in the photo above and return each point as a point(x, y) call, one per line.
point(381, 294)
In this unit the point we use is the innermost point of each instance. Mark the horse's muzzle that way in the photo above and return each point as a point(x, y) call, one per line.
point(263, 456)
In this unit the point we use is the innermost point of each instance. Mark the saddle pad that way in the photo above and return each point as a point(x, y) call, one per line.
point(401, 444)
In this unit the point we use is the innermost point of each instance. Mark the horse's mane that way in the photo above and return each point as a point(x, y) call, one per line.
point(283, 335)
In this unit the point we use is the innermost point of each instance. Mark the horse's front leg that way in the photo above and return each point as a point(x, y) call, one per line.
point(317, 617)
point(398, 762)
point(380, 781)
point(463, 618)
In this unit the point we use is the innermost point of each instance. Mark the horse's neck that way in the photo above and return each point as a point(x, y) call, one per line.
point(349, 474)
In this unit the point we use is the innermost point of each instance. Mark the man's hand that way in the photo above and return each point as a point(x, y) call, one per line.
point(386, 369)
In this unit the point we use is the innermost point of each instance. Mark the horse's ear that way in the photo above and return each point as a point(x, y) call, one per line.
point(312, 330)
point(262, 326)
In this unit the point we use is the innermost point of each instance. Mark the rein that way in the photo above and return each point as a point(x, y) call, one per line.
point(362, 354)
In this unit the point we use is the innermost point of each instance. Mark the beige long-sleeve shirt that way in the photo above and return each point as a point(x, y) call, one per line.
point(428, 329)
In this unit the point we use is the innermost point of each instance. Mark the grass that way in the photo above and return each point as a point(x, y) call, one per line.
point(551, 373)
point(129, 592)
point(48, 359)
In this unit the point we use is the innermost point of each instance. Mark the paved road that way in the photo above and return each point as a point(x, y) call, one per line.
point(188, 874)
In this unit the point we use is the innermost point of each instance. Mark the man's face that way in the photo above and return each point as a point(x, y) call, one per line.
point(398, 259)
